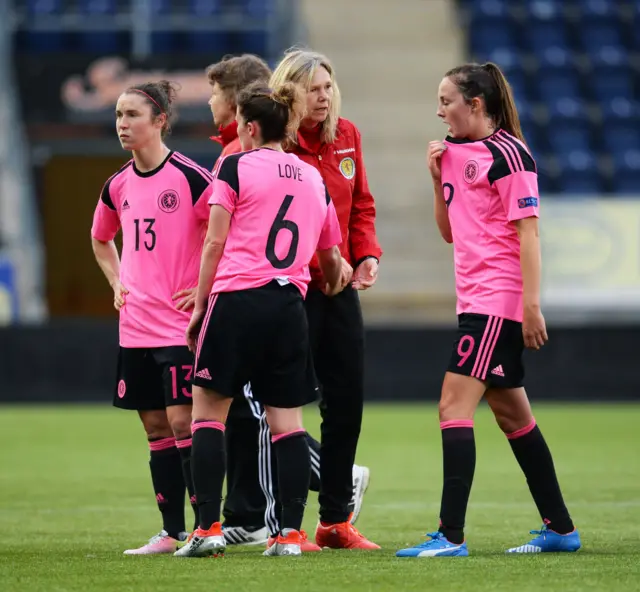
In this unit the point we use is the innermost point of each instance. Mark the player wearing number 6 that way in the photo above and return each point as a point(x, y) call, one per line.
point(270, 213)
point(159, 199)
point(486, 204)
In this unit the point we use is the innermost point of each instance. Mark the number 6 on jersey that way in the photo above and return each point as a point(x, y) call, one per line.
point(281, 224)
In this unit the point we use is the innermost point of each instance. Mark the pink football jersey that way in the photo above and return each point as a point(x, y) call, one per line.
point(163, 214)
point(281, 214)
point(488, 184)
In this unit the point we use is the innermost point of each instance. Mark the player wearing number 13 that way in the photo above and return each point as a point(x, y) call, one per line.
point(486, 204)
point(159, 199)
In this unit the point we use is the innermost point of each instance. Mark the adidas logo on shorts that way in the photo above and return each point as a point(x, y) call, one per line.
point(498, 371)
point(204, 373)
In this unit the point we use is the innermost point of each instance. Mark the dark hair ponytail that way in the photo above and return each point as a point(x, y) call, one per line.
point(278, 111)
point(160, 96)
point(509, 120)
point(488, 82)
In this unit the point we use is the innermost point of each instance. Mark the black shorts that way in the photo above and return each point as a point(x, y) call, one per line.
point(490, 349)
point(153, 378)
point(258, 336)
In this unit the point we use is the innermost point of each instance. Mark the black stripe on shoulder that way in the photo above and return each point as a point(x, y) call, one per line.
point(196, 178)
point(105, 194)
point(525, 155)
point(499, 167)
point(326, 192)
point(228, 171)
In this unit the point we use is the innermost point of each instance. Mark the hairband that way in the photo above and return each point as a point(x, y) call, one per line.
point(149, 97)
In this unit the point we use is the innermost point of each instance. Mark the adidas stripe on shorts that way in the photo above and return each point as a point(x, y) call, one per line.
point(258, 336)
point(490, 349)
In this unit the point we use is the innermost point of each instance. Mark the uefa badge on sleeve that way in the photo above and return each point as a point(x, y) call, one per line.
point(470, 172)
point(348, 168)
point(169, 201)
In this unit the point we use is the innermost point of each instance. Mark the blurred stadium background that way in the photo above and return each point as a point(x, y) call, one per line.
point(574, 66)
point(74, 487)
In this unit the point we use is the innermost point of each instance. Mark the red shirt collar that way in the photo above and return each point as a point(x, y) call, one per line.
point(310, 138)
point(228, 134)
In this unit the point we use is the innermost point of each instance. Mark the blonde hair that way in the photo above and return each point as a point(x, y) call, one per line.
point(299, 66)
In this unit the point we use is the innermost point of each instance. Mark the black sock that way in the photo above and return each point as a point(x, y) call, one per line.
point(459, 464)
point(314, 453)
point(184, 446)
point(535, 460)
point(294, 470)
point(208, 464)
point(168, 484)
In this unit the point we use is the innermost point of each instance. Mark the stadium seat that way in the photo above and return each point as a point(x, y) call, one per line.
point(619, 139)
point(488, 10)
point(255, 8)
point(160, 7)
point(620, 109)
point(543, 35)
point(97, 6)
point(569, 136)
point(626, 177)
point(518, 83)
point(44, 7)
point(205, 7)
point(609, 58)
point(507, 58)
point(490, 36)
point(597, 35)
point(558, 59)
point(530, 132)
point(579, 173)
point(544, 9)
point(597, 10)
point(609, 84)
point(553, 85)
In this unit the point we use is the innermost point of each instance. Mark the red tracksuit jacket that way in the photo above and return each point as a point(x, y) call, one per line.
point(342, 168)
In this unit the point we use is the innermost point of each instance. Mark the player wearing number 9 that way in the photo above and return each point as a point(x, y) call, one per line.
point(159, 200)
point(486, 204)
point(270, 213)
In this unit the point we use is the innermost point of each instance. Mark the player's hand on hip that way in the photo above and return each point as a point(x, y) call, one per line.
point(119, 293)
point(365, 274)
point(194, 328)
point(434, 156)
point(188, 298)
point(534, 329)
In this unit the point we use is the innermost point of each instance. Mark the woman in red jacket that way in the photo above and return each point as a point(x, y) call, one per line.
point(250, 510)
point(333, 145)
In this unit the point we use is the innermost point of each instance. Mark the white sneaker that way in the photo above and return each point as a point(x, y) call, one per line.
point(204, 543)
point(159, 544)
point(289, 545)
point(239, 535)
point(360, 485)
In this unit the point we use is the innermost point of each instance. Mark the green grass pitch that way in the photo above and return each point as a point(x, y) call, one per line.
point(75, 492)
